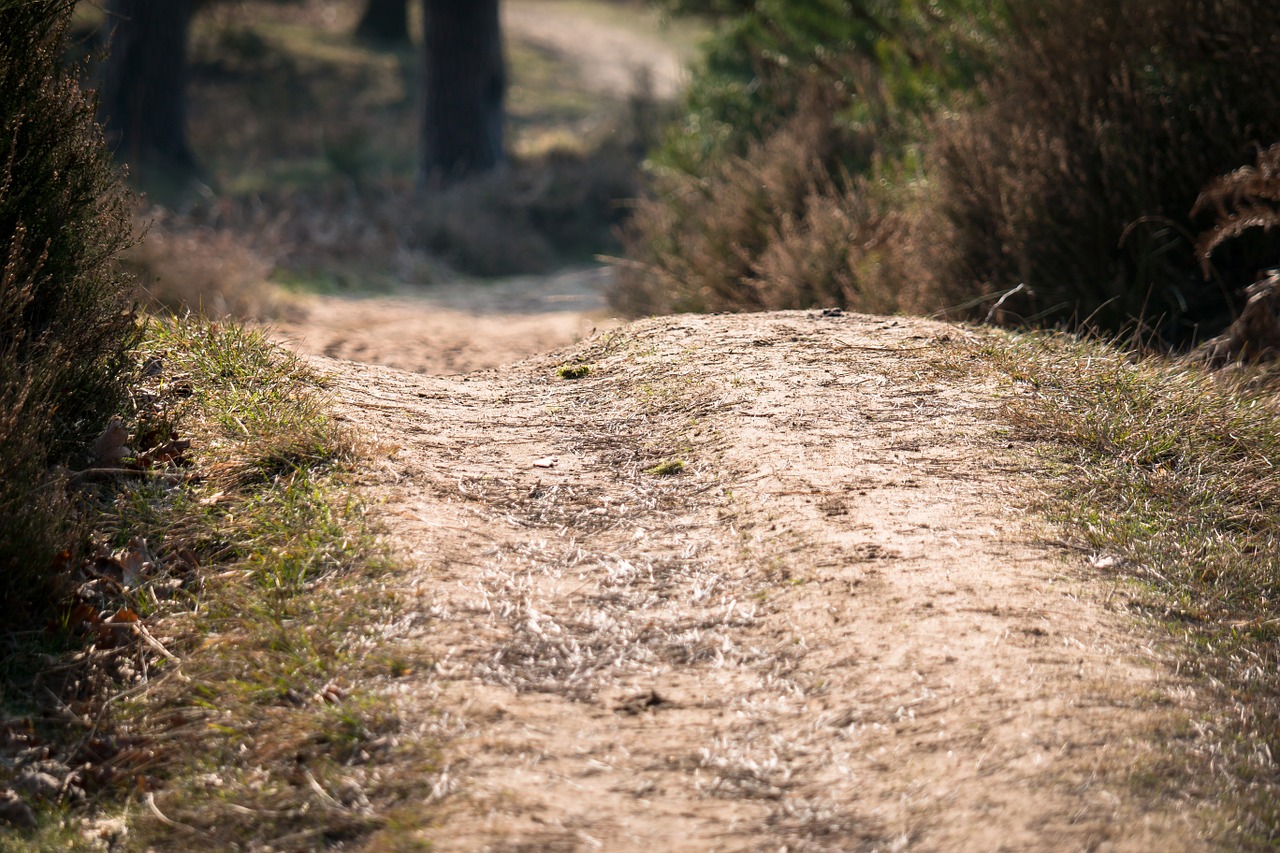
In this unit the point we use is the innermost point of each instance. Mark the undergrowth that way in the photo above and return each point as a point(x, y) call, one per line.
point(220, 689)
point(65, 321)
point(1169, 475)
point(1034, 163)
point(308, 136)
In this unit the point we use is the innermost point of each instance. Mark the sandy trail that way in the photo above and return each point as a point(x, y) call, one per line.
point(835, 629)
point(452, 328)
point(614, 59)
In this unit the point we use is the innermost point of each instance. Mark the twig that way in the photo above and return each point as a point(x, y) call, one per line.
point(994, 308)
point(150, 800)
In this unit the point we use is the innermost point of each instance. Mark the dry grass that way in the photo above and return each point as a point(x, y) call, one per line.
point(233, 705)
point(210, 273)
point(678, 606)
point(1167, 477)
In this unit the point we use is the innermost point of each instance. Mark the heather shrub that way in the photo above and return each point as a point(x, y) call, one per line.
point(1077, 173)
point(776, 228)
point(66, 327)
point(882, 64)
point(1054, 149)
point(791, 182)
point(202, 271)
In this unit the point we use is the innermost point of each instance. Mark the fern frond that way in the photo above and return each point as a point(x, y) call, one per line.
point(1231, 226)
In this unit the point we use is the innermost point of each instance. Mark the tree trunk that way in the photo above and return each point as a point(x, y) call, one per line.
point(464, 84)
point(143, 101)
point(385, 21)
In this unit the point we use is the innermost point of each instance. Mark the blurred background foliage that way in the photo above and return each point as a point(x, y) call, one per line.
point(1017, 163)
point(1023, 163)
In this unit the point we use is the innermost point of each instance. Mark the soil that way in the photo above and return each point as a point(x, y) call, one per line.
point(758, 582)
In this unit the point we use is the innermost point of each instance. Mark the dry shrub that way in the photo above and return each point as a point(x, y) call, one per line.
point(778, 228)
point(66, 325)
point(1077, 174)
point(206, 272)
point(1245, 199)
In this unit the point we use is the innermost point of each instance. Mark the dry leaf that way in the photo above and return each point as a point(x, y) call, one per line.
point(137, 562)
point(124, 614)
point(172, 452)
point(109, 448)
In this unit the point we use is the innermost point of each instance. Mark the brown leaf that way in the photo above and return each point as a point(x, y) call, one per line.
point(83, 614)
point(106, 567)
point(137, 563)
point(172, 452)
point(109, 448)
point(124, 614)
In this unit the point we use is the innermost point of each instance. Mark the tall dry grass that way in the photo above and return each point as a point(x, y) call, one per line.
point(1062, 180)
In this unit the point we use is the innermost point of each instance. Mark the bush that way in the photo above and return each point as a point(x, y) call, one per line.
point(881, 64)
point(1078, 174)
point(784, 187)
point(941, 178)
point(66, 327)
point(771, 230)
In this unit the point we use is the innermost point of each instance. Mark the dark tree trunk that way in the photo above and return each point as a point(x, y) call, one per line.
point(464, 84)
point(143, 100)
point(385, 21)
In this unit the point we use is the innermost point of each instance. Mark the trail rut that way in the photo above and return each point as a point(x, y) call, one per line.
point(837, 627)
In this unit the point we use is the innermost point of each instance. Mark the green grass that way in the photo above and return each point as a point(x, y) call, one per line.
point(1169, 476)
point(269, 589)
point(666, 468)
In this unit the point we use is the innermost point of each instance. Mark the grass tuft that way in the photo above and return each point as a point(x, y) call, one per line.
point(247, 718)
point(666, 468)
point(1169, 475)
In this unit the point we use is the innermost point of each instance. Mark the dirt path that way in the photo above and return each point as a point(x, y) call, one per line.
point(453, 328)
point(834, 629)
point(613, 55)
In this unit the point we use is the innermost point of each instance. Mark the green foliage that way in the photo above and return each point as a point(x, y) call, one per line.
point(880, 63)
point(66, 327)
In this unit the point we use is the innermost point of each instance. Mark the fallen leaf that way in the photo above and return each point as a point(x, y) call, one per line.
point(83, 614)
point(172, 452)
point(136, 562)
point(107, 567)
point(109, 448)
